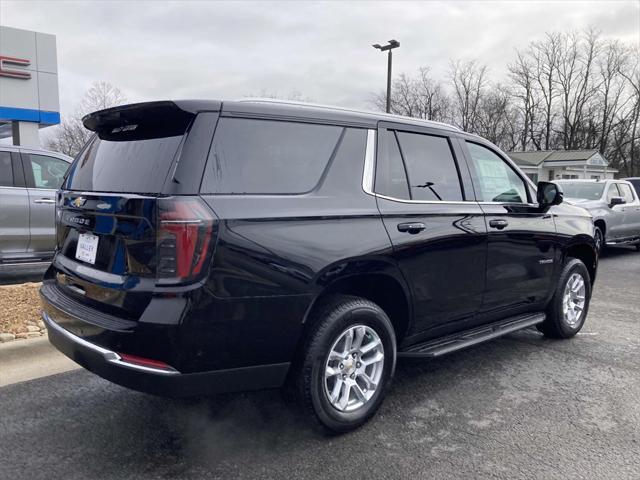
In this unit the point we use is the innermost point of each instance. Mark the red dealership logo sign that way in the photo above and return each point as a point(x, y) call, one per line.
point(6, 71)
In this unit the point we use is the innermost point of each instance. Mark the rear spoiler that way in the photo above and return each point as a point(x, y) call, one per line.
point(139, 121)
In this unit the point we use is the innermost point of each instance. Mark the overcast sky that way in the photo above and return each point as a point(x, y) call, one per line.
point(159, 50)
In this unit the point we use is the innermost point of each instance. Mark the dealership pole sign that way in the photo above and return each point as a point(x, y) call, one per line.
point(6, 69)
point(28, 78)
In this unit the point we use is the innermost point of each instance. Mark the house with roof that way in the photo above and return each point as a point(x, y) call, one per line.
point(563, 164)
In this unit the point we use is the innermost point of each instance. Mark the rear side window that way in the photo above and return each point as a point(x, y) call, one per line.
point(6, 171)
point(430, 166)
point(127, 166)
point(268, 157)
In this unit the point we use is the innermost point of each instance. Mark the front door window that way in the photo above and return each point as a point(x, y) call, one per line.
point(496, 180)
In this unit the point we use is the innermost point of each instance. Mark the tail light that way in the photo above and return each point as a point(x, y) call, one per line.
point(185, 233)
point(134, 360)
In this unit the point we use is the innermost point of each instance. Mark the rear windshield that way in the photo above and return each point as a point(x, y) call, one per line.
point(127, 166)
point(585, 191)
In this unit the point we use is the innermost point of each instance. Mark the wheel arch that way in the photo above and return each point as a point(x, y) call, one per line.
point(586, 253)
point(384, 289)
point(602, 225)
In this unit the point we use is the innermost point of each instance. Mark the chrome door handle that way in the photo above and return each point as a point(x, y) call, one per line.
point(498, 223)
point(45, 200)
point(411, 227)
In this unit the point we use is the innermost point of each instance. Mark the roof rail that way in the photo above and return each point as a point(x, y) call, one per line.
point(343, 109)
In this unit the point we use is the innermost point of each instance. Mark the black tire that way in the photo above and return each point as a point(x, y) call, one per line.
point(598, 237)
point(556, 325)
point(331, 319)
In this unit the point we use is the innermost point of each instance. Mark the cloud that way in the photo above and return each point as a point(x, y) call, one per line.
point(154, 50)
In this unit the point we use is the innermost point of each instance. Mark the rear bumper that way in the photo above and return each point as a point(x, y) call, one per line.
point(158, 381)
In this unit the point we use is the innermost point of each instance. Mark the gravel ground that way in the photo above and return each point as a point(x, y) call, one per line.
point(518, 407)
point(20, 312)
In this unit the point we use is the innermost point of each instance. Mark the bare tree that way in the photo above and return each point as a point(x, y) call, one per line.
point(70, 135)
point(100, 95)
point(469, 82)
point(420, 96)
point(403, 100)
point(545, 56)
point(576, 83)
point(612, 88)
point(570, 90)
point(627, 135)
point(433, 102)
point(497, 118)
point(522, 74)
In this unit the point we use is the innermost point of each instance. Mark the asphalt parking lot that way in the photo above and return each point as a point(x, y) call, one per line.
point(519, 407)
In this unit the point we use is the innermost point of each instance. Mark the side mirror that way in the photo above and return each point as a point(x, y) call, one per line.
point(549, 194)
point(616, 201)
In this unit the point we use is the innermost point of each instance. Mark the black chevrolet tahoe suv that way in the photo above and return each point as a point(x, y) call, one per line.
point(207, 246)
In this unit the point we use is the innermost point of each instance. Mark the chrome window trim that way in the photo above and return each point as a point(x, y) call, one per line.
point(518, 204)
point(427, 202)
point(368, 178)
point(369, 163)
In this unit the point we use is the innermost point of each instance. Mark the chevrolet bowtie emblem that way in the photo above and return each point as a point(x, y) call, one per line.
point(80, 201)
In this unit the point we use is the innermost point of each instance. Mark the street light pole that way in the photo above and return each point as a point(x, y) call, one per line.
point(390, 46)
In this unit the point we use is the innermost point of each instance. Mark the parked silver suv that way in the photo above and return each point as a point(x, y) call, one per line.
point(614, 205)
point(29, 180)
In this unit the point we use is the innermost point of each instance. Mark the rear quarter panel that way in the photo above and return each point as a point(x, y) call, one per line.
point(275, 254)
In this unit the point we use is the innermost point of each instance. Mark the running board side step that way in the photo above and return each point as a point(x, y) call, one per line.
point(451, 343)
point(624, 241)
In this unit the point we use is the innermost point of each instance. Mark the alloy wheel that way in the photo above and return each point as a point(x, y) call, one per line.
point(598, 240)
point(573, 301)
point(354, 368)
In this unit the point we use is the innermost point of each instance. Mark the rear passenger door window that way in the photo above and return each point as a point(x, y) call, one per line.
point(6, 170)
point(417, 166)
point(495, 180)
point(431, 168)
point(391, 176)
point(48, 172)
point(251, 156)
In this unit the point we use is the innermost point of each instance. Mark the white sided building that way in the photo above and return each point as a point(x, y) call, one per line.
point(29, 97)
point(563, 164)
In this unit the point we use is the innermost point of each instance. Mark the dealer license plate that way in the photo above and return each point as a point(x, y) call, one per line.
point(87, 248)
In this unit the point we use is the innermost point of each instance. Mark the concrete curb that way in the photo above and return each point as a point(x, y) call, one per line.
point(25, 344)
point(29, 359)
point(6, 337)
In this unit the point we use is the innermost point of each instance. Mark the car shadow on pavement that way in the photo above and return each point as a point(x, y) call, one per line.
point(614, 252)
